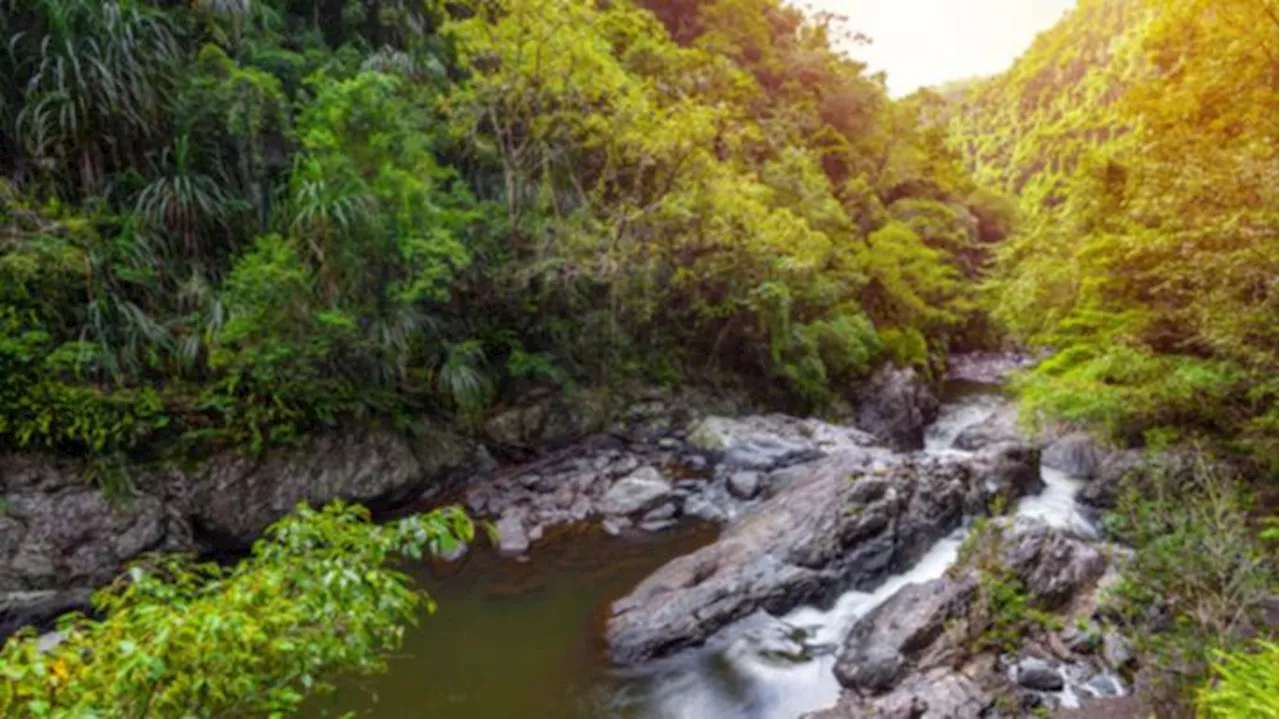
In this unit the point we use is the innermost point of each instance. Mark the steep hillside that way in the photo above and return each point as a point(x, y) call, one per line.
point(1025, 130)
point(1141, 137)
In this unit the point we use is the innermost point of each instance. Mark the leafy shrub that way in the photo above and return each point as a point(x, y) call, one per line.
point(1245, 685)
point(906, 346)
point(179, 639)
point(824, 356)
point(1001, 613)
point(1200, 577)
point(1128, 392)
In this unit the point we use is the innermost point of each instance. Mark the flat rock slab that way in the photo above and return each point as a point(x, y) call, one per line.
point(763, 442)
point(640, 490)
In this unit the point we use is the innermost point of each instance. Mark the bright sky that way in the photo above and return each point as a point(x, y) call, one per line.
point(926, 42)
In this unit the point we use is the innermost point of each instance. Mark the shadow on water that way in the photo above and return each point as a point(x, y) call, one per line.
point(517, 639)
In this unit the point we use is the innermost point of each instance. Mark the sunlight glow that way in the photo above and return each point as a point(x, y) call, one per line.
point(921, 43)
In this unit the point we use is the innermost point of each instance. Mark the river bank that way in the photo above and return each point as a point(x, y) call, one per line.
point(61, 535)
point(740, 645)
point(683, 563)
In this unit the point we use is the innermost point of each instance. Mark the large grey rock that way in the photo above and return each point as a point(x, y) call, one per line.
point(746, 443)
point(744, 485)
point(895, 405)
point(843, 526)
point(238, 495)
point(999, 427)
point(640, 490)
point(882, 645)
point(900, 656)
point(57, 531)
point(763, 442)
point(1054, 565)
point(938, 693)
point(1075, 454)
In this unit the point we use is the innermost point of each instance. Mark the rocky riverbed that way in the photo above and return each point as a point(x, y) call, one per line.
point(833, 586)
point(625, 458)
point(842, 594)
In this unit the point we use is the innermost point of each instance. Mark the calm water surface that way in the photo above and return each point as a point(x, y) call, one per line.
point(518, 639)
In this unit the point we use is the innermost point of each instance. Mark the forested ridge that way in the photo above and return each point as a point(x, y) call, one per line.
point(1140, 138)
point(234, 223)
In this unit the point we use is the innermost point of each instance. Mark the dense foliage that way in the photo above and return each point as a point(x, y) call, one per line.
point(183, 640)
point(1141, 136)
point(1197, 588)
point(233, 222)
point(1245, 685)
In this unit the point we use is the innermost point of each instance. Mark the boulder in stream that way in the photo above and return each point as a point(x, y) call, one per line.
point(643, 489)
point(744, 485)
point(895, 405)
point(1075, 454)
point(1000, 426)
point(848, 523)
point(915, 651)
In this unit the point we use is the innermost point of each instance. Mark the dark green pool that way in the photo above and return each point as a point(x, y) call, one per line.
point(518, 640)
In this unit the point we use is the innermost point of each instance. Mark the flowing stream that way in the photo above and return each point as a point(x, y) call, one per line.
point(524, 639)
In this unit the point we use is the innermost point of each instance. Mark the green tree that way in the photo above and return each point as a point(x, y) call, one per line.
point(315, 600)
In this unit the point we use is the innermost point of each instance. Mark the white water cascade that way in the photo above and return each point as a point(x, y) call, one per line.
point(743, 676)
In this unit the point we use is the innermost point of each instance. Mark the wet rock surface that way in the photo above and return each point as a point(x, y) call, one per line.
point(998, 427)
point(773, 441)
point(639, 491)
point(842, 522)
point(1076, 454)
point(648, 474)
point(895, 406)
point(914, 655)
point(987, 367)
point(236, 496)
point(56, 532)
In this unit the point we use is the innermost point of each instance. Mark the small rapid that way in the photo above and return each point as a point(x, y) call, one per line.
point(524, 638)
point(779, 668)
